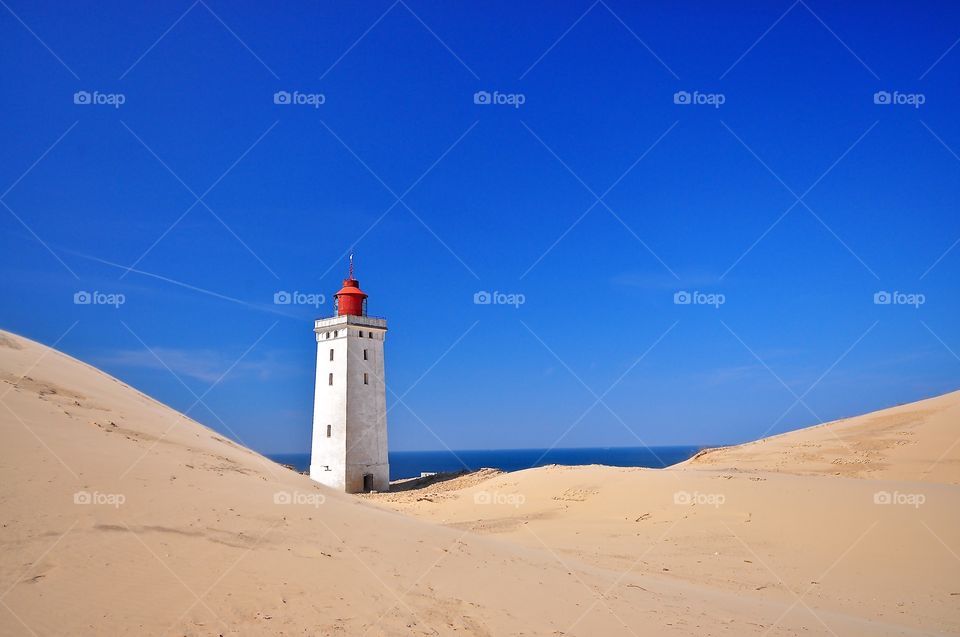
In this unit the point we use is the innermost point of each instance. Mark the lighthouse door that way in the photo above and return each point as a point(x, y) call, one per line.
point(368, 482)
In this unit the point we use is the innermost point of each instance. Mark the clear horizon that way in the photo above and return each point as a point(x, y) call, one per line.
point(307, 451)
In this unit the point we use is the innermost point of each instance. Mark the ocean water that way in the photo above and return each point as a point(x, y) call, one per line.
point(409, 464)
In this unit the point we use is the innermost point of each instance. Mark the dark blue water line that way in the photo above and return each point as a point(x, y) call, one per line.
point(408, 464)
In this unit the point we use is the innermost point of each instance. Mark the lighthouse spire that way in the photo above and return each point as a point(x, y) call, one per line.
point(350, 298)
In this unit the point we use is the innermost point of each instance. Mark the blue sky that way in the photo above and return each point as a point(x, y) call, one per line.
point(777, 189)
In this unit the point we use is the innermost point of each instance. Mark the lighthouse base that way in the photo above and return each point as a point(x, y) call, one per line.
point(356, 478)
point(365, 478)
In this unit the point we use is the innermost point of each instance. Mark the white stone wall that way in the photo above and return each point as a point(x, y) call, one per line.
point(366, 410)
point(354, 409)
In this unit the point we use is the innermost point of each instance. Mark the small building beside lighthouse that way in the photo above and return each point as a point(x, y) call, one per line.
point(349, 450)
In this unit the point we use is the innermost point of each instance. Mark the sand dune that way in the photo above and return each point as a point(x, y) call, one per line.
point(801, 518)
point(915, 442)
point(120, 516)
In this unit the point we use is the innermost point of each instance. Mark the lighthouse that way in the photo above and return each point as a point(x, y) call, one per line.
point(349, 450)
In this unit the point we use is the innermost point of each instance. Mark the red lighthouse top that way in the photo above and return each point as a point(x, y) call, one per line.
point(350, 298)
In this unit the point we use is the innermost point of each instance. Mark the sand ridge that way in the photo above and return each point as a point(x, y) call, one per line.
point(914, 442)
point(859, 514)
point(121, 516)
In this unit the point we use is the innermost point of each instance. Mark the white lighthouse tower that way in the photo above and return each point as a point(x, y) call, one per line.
point(349, 449)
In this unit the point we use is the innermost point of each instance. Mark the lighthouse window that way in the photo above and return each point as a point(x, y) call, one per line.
point(364, 354)
point(330, 379)
point(331, 353)
point(329, 430)
point(366, 380)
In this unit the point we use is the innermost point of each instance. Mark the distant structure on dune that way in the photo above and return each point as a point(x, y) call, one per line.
point(349, 450)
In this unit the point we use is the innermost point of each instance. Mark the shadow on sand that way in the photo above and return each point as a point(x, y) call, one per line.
point(412, 484)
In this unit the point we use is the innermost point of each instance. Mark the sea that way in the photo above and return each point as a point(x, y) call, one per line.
point(410, 464)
